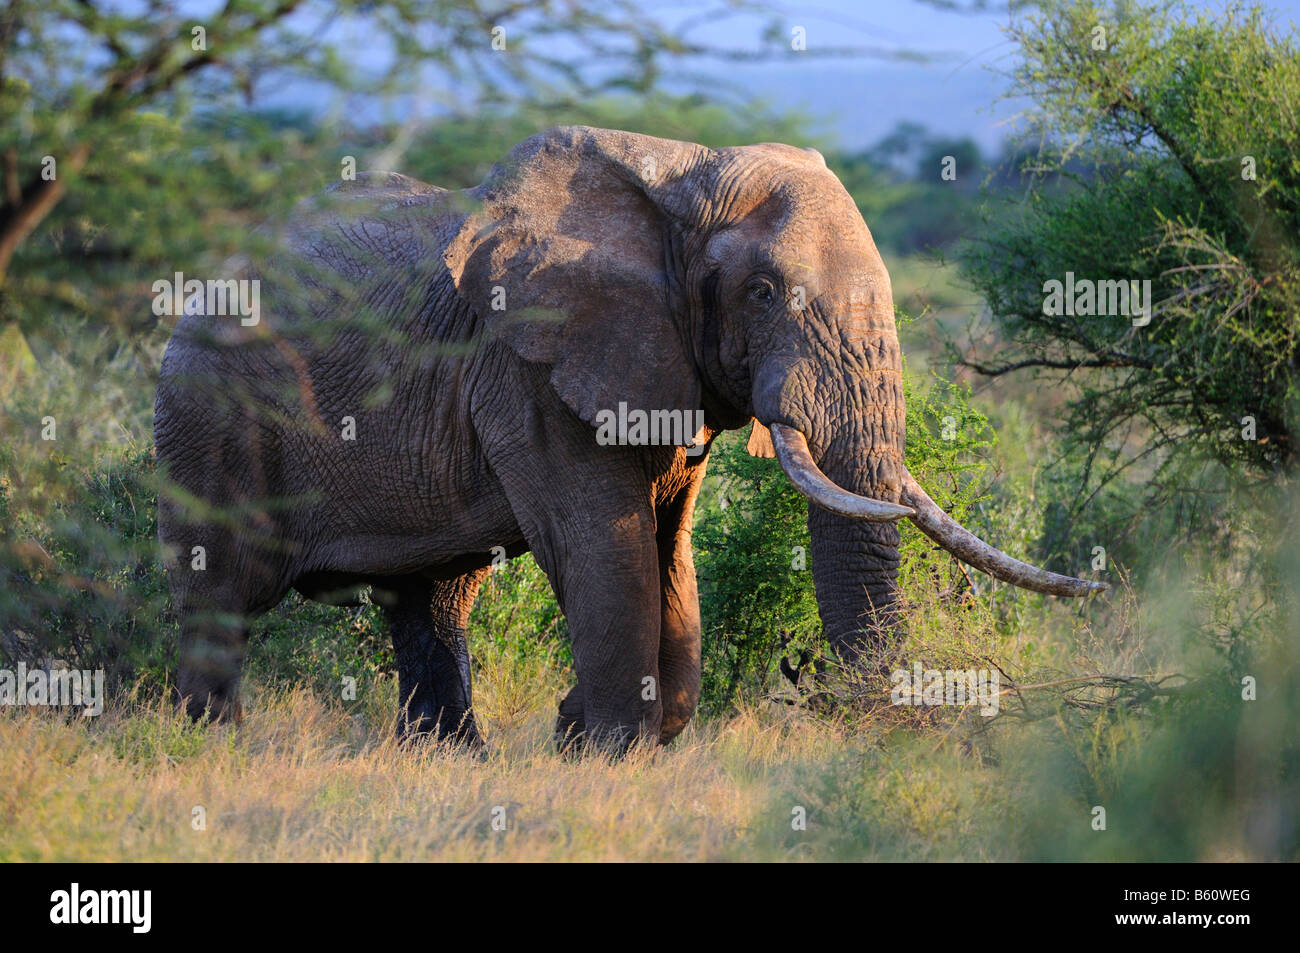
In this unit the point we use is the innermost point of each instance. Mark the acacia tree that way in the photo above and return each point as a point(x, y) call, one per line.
point(1169, 155)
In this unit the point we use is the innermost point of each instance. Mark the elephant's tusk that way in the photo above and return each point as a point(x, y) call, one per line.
point(969, 548)
point(792, 450)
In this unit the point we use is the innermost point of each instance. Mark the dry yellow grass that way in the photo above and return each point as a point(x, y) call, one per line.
point(307, 778)
point(303, 780)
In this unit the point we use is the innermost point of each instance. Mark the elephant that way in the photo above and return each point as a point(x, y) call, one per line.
point(428, 378)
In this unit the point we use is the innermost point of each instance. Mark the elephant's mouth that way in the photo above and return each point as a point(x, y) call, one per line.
point(792, 451)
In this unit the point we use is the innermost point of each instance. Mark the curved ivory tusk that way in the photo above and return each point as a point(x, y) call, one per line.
point(969, 548)
point(792, 450)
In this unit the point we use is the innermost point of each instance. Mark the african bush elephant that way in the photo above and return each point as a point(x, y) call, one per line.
point(430, 378)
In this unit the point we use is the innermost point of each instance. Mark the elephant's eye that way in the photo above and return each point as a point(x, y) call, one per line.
point(760, 291)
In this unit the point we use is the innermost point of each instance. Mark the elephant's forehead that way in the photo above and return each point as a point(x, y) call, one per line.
point(827, 261)
point(821, 223)
point(807, 226)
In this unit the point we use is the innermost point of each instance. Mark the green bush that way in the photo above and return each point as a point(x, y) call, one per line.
point(84, 585)
point(1182, 129)
point(757, 597)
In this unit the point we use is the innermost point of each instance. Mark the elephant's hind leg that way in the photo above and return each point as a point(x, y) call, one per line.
point(427, 619)
point(216, 600)
point(212, 646)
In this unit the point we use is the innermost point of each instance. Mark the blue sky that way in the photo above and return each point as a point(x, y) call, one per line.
point(862, 100)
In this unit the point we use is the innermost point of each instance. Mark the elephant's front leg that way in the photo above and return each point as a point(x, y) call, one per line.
point(679, 640)
point(678, 686)
point(607, 582)
point(427, 620)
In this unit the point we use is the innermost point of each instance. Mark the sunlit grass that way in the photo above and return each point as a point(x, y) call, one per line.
point(305, 777)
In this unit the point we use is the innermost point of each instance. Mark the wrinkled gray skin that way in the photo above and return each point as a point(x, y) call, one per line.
point(622, 268)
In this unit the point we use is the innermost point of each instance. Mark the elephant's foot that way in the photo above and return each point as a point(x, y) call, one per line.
point(204, 701)
point(603, 741)
point(570, 731)
point(207, 683)
point(449, 726)
point(575, 738)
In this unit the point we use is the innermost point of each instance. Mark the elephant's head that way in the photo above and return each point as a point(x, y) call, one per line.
point(742, 281)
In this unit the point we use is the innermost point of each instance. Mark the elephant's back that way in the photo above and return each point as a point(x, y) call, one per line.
point(350, 255)
point(378, 220)
point(358, 317)
point(358, 323)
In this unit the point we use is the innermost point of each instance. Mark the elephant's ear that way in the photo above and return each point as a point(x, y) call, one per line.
point(760, 441)
point(563, 254)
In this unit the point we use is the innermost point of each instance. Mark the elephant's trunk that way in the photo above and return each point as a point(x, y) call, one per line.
point(855, 569)
point(851, 517)
point(839, 438)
